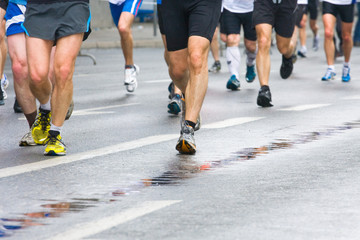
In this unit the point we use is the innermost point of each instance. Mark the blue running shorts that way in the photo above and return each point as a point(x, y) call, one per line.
point(15, 15)
point(131, 6)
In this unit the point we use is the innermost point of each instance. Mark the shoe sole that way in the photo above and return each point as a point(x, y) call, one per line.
point(232, 87)
point(185, 148)
point(25, 144)
point(174, 108)
point(53, 153)
point(250, 80)
point(263, 101)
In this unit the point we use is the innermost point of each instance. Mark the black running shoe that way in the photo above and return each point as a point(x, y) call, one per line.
point(1, 96)
point(286, 67)
point(17, 108)
point(264, 97)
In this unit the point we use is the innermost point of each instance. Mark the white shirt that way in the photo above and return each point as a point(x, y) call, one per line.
point(117, 2)
point(238, 6)
point(339, 2)
point(302, 1)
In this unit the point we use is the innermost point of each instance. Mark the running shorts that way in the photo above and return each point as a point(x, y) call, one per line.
point(4, 4)
point(313, 6)
point(131, 6)
point(231, 24)
point(346, 12)
point(62, 19)
point(160, 19)
point(280, 16)
point(300, 11)
point(14, 17)
point(185, 18)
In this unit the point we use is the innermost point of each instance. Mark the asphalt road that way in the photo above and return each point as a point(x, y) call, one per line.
point(287, 172)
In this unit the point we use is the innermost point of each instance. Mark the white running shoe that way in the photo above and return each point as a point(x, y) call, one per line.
point(27, 140)
point(4, 85)
point(130, 78)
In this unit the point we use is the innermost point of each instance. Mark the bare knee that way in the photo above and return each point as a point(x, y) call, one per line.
point(264, 43)
point(124, 29)
point(329, 34)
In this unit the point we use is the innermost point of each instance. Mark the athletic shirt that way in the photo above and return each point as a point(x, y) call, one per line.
point(302, 1)
point(340, 2)
point(158, 2)
point(116, 2)
point(238, 6)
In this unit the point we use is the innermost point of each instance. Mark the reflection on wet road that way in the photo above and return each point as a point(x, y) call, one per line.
point(183, 168)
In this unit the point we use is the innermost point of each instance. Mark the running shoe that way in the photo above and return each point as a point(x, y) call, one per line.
point(2, 102)
point(54, 145)
point(301, 54)
point(4, 85)
point(329, 75)
point(171, 90)
point(216, 67)
point(233, 83)
point(70, 110)
point(315, 45)
point(346, 74)
point(130, 78)
point(4, 81)
point(286, 67)
point(17, 108)
point(175, 105)
point(40, 128)
point(27, 140)
point(250, 73)
point(186, 143)
point(264, 97)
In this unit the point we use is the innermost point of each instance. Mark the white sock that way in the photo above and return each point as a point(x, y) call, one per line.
point(55, 128)
point(303, 49)
point(331, 67)
point(347, 64)
point(46, 106)
point(250, 57)
point(233, 60)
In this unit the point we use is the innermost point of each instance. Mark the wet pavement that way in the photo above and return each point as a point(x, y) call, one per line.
point(290, 171)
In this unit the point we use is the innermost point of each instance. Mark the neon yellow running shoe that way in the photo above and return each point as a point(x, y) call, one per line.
point(54, 145)
point(40, 128)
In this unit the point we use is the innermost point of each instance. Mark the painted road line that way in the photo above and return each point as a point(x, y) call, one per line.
point(55, 161)
point(121, 147)
point(230, 122)
point(91, 228)
point(304, 107)
point(159, 81)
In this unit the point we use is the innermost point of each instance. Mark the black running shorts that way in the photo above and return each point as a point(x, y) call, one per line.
point(185, 18)
point(160, 19)
point(299, 13)
point(280, 16)
point(231, 24)
point(4, 4)
point(313, 6)
point(346, 12)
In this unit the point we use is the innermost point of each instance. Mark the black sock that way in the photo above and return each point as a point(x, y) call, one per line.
point(190, 123)
point(128, 66)
point(31, 117)
point(265, 87)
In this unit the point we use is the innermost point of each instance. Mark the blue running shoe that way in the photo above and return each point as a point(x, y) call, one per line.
point(250, 73)
point(233, 83)
point(329, 75)
point(346, 74)
point(175, 105)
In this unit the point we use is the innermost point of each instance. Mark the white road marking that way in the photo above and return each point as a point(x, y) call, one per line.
point(55, 161)
point(304, 107)
point(142, 142)
point(356, 97)
point(230, 122)
point(91, 228)
point(159, 81)
point(91, 111)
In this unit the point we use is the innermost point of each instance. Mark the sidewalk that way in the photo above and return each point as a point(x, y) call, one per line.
point(143, 35)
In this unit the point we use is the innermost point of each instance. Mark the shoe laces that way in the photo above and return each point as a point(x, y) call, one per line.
point(43, 120)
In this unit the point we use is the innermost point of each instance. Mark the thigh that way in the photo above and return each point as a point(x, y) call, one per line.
point(67, 49)
point(230, 22)
point(175, 24)
point(17, 47)
point(203, 17)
